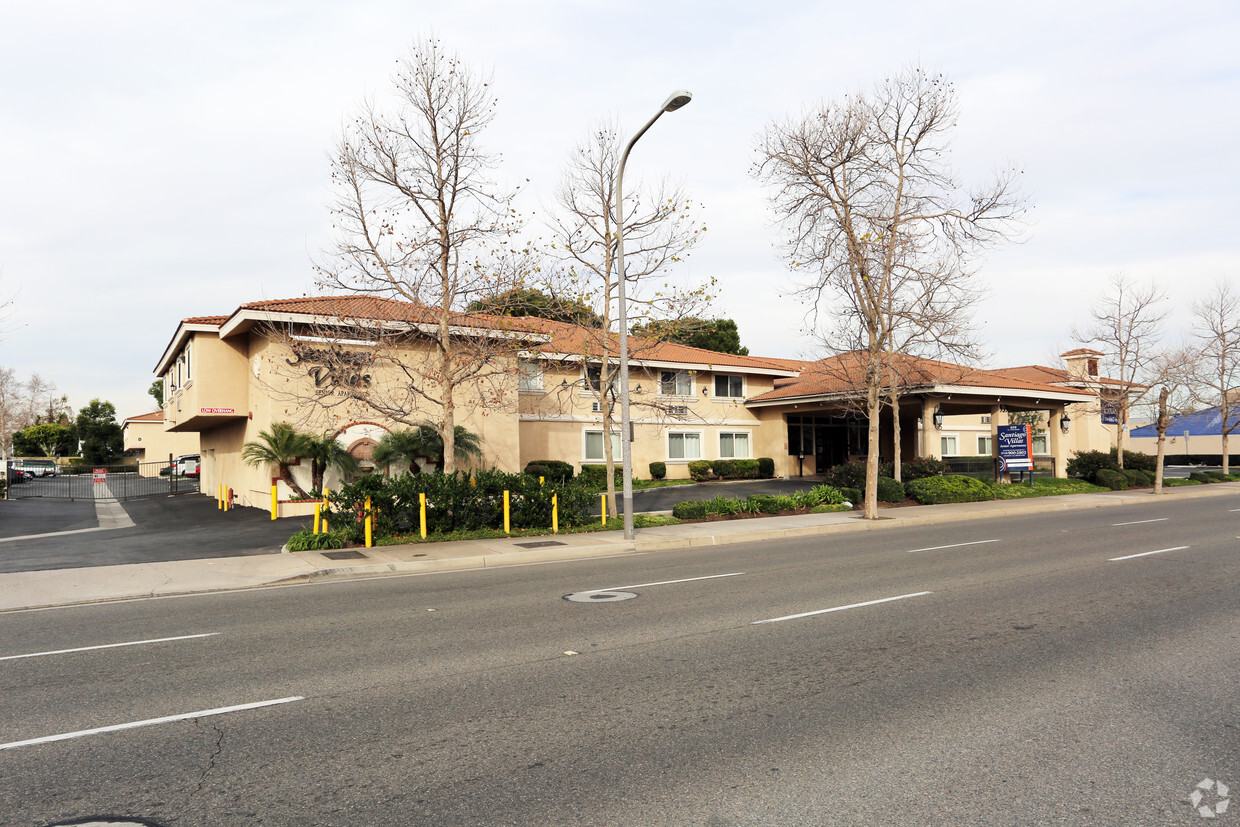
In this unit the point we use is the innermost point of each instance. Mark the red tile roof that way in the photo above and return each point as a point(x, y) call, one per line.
point(153, 416)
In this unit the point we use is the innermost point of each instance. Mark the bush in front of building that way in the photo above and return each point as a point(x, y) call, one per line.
point(699, 470)
point(916, 469)
point(1087, 464)
point(735, 469)
point(658, 470)
point(890, 490)
point(1137, 477)
point(596, 475)
point(949, 488)
point(1111, 478)
point(689, 510)
point(819, 495)
point(766, 467)
point(1135, 460)
point(849, 474)
point(853, 495)
point(454, 503)
point(550, 469)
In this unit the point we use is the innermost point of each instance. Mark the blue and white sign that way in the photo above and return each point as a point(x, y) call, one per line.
point(1015, 447)
point(1110, 413)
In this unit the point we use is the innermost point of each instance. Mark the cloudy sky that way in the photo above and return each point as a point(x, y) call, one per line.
point(164, 160)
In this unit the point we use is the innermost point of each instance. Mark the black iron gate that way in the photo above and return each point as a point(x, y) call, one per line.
point(114, 482)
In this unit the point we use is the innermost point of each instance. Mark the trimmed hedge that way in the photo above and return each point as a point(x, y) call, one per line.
point(853, 495)
point(699, 470)
point(759, 503)
point(949, 488)
point(916, 469)
point(766, 467)
point(658, 470)
point(596, 475)
point(890, 490)
point(553, 469)
point(735, 469)
point(1111, 479)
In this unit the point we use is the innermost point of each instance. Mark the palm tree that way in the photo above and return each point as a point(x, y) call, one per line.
point(325, 452)
point(281, 446)
point(424, 442)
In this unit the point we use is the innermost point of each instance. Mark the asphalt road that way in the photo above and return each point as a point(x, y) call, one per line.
point(1017, 671)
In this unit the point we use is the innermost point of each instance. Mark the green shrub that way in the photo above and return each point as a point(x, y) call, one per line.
point(949, 488)
point(553, 470)
point(699, 470)
point(735, 469)
point(1207, 477)
point(916, 469)
point(1134, 477)
point(847, 475)
point(1086, 464)
point(1136, 461)
point(596, 475)
point(1111, 479)
point(853, 495)
point(307, 540)
point(658, 470)
point(766, 467)
point(690, 510)
point(1217, 476)
point(763, 504)
point(723, 505)
point(890, 491)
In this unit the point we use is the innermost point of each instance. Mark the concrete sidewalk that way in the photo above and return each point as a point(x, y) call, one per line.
point(40, 589)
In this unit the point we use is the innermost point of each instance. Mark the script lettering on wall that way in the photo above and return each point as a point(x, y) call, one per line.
point(330, 368)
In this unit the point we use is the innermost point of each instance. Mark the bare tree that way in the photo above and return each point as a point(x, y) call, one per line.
point(868, 201)
point(12, 409)
point(1172, 372)
point(1126, 324)
point(1217, 328)
point(420, 220)
point(660, 228)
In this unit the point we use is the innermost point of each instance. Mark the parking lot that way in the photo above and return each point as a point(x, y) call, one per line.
point(40, 534)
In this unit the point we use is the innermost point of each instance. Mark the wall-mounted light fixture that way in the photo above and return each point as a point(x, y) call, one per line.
point(938, 417)
point(1064, 423)
point(705, 390)
point(639, 387)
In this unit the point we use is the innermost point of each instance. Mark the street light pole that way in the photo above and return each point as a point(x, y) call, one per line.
point(677, 99)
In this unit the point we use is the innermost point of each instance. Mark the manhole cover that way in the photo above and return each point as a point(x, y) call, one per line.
point(542, 544)
point(343, 555)
point(599, 597)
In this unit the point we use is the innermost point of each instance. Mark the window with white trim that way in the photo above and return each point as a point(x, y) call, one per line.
point(734, 445)
point(949, 445)
point(1041, 444)
point(188, 363)
point(592, 450)
point(675, 383)
point(684, 445)
point(594, 377)
point(984, 446)
point(529, 376)
point(729, 385)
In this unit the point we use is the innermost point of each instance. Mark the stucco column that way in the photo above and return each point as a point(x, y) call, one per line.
point(997, 417)
point(931, 446)
point(1054, 433)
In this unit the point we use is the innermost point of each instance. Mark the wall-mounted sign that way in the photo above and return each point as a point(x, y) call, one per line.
point(1110, 413)
point(217, 410)
point(1015, 447)
point(330, 368)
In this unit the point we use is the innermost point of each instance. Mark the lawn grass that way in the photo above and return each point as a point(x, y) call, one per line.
point(1178, 483)
point(1044, 488)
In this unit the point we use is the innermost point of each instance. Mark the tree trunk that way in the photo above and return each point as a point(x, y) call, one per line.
point(895, 432)
point(1162, 438)
point(874, 410)
point(1225, 436)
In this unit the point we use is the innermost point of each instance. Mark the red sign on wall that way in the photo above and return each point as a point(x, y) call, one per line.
point(217, 410)
point(101, 475)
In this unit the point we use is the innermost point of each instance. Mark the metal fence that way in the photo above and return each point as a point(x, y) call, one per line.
point(115, 482)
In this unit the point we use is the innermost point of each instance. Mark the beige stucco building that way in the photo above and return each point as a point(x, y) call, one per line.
point(538, 394)
point(150, 442)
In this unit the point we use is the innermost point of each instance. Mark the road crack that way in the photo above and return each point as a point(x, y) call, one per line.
point(211, 759)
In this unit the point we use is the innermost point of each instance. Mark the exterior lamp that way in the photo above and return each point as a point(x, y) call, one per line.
point(676, 100)
point(938, 417)
point(639, 387)
point(1064, 423)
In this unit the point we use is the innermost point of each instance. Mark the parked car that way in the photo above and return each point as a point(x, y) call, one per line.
point(36, 467)
point(186, 465)
point(17, 475)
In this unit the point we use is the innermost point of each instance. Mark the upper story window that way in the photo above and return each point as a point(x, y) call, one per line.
point(1091, 367)
point(529, 376)
point(675, 383)
point(188, 362)
point(729, 385)
point(594, 377)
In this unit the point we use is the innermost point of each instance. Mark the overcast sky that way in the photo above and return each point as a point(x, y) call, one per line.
point(169, 159)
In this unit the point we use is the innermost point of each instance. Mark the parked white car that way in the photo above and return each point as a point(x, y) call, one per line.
point(36, 467)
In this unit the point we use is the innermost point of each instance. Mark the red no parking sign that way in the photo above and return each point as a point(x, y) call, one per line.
point(101, 475)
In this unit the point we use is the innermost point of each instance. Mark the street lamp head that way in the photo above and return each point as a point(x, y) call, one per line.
point(678, 99)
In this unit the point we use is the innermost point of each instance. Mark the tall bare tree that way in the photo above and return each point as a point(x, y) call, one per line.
point(420, 220)
point(1172, 372)
point(1217, 329)
point(1126, 323)
point(660, 228)
point(869, 202)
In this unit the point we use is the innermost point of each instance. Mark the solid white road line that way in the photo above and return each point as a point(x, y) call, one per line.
point(134, 725)
point(953, 545)
point(840, 608)
point(663, 583)
point(1148, 553)
point(1139, 522)
point(106, 646)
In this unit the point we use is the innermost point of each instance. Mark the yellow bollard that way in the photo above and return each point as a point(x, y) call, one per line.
point(275, 503)
point(507, 526)
point(422, 508)
point(318, 508)
point(473, 483)
point(369, 526)
point(555, 514)
point(219, 498)
point(603, 500)
point(540, 482)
